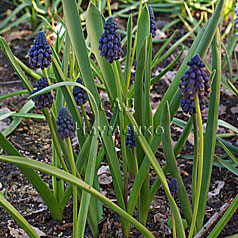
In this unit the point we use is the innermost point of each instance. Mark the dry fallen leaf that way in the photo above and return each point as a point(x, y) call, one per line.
point(234, 110)
point(105, 179)
point(104, 175)
point(20, 233)
point(191, 139)
point(219, 185)
point(103, 169)
point(159, 35)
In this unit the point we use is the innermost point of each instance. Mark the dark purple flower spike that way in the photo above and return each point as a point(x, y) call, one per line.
point(40, 52)
point(45, 100)
point(130, 138)
point(80, 95)
point(173, 186)
point(65, 124)
point(110, 41)
point(194, 80)
point(153, 27)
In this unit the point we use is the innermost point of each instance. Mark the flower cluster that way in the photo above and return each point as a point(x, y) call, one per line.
point(130, 137)
point(134, 73)
point(173, 186)
point(65, 124)
point(45, 100)
point(80, 95)
point(153, 27)
point(194, 80)
point(40, 52)
point(110, 41)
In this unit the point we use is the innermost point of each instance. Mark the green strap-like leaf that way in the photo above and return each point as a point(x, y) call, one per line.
point(138, 95)
point(14, 124)
point(89, 178)
point(14, 13)
point(21, 115)
point(28, 163)
point(18, 218)
point(149, 153)
point(172, 164)
point(75, 31)
point(143, 29)
point(35, 180)
point(225, 218)
point(15, 65)
point(211, 129)
point(16, 22)
point(127, 73)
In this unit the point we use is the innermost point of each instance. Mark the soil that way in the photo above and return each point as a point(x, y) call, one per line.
point(32, 138)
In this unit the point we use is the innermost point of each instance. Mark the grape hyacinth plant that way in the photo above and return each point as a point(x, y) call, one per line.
point(194, 80)
point(130, 137)
point(40, 52)
point(110, 41)
point(80, 95)
point(84, 50)
point(153, 27)
point(65, 124)
point(43, 100)
point(173, 186)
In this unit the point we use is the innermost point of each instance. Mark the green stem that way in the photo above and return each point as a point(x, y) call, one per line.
point(73, 170)
point(126, 228)
point(135, 161)
point(46, 75)
point(195, 159)
point(54, 137)
point(85, 117)
point(173, 225)
point(123, 139)
point(200, 166)
point(172, 164)
point(109, 8)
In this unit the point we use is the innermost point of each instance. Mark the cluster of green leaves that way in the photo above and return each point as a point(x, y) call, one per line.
point(76, 62)
point(187, 13)
point(34, 10)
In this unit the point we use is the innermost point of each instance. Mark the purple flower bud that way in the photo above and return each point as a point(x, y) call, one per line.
point(110, 44)
point(104, 47)
point(111, 37)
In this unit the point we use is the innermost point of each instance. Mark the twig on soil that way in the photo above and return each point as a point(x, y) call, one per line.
point(212, 220)
point(10, 82)
point(36, 212)
point(16, 144)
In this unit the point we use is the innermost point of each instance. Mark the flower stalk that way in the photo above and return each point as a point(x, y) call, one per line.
point(200, 167)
